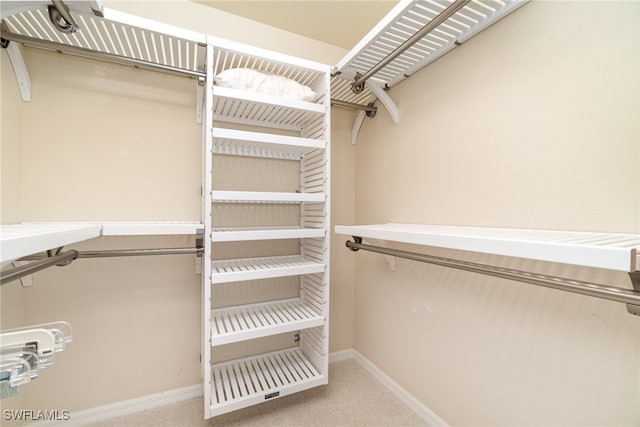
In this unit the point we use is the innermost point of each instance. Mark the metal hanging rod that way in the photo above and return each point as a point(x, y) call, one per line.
point(358, 84)
point(370, 108)
point(44, 260)
point(60, 258)
point(103, 56)
point(627, 296)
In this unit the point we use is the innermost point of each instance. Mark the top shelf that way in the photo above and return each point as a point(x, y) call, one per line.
point(601, 250)
point(119, 36)
point(399, 25)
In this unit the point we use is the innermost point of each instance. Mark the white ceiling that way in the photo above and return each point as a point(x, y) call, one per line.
point(337, 22)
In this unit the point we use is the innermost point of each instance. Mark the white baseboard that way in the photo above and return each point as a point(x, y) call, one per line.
point(339, 356)
point(151, 401)
point(125, 407)
point(407, 398)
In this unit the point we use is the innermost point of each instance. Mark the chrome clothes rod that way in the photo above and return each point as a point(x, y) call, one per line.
point(63, 258)
point(370, 109)
point(43, 261)
point(627, 296)
point(358, 83)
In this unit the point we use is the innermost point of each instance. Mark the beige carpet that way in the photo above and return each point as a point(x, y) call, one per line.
point(352, 398)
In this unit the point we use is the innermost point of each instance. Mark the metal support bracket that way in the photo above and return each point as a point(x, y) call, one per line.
point(200, 90)
point(378, 92)
point(200, 250)
point(386, 100)
point(635, 282)
point(391, 260)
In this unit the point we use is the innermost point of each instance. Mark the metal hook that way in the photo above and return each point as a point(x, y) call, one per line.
point(61, 17)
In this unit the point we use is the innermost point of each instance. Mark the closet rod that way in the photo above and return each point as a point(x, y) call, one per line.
point(346, 104)
point(103, 56)
point(112, 253)
point(358, 83)
point(627, 296)
point(62, 258)
point(43, 260)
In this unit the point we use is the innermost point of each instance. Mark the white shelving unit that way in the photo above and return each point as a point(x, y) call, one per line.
point(269, 128)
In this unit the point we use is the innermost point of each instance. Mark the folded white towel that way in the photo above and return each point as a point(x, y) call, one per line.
point(268, 84)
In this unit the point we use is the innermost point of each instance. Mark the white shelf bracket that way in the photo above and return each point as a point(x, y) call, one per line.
point(390, 259)
point(19, 70)
point(386, 100)
point(381, 94)
point(357, 125)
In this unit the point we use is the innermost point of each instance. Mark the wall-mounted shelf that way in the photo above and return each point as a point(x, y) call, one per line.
point(18, 240)
point(612, 251)
point(602, 250)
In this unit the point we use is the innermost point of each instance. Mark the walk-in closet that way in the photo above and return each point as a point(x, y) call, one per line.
point(414, 212)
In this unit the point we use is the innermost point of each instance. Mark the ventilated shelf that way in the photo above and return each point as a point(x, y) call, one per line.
point(264, 233)
point(265, 197)
point(236, 270)
point(399, 25)
point(116, 37)
point(234, 324)
point(244, 107)
point(245, 382)
point(613, 251)
point(243, 143)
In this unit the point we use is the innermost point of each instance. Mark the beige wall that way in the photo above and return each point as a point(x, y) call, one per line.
point(11, 144)
point(534, 123)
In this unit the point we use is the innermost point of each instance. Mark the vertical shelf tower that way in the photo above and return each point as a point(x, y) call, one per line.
point(270, 346)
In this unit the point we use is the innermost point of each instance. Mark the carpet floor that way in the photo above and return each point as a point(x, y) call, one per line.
point(353, 397)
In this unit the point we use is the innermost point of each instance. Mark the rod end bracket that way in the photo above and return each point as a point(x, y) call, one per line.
point(635, 282)
point(356, 239)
